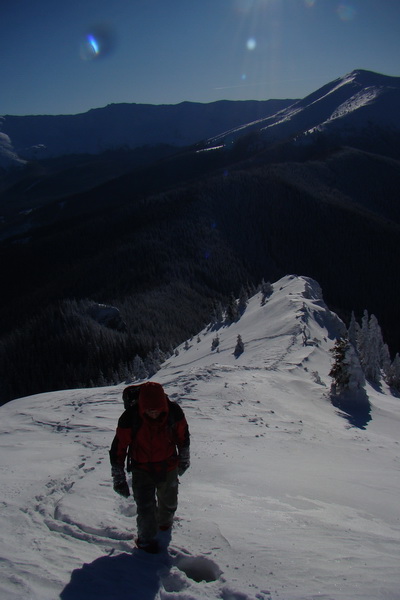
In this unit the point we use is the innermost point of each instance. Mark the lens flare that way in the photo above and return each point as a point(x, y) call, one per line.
point(93, 43)
point(98, 42)
point(251, 44)
point(346, 12)
point(90, 48)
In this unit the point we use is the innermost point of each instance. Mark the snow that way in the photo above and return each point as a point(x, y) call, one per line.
point(351, 102)
point(8, 157)
point(284, 500)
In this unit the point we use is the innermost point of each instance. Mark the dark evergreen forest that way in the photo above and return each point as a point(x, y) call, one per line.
point(163, 243)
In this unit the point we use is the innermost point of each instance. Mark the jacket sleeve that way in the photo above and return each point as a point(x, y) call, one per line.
point(121, 441)
point(181, 428)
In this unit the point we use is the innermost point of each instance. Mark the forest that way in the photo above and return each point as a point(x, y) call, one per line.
point(163, 251)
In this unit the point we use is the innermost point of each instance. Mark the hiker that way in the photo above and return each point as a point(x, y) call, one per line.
point(153, 436)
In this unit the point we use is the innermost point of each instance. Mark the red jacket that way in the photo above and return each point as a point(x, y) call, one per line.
point(152, 445)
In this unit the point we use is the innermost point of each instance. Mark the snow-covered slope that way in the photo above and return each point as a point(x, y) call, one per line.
point(352, 102)
point(284, 499)
point(8, 157)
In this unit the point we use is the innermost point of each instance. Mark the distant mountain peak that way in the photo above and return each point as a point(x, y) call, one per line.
point(349, 103)
point(364, 77)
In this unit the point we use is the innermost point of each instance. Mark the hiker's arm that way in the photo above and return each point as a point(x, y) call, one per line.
point(182, 433)
point(183, 443)
point(119, 447)
point(118, 451)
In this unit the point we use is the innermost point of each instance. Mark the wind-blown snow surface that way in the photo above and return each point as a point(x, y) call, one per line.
point(285, 499)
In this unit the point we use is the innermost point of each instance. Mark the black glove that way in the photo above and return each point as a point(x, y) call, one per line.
point(184, 461)
point(120, 485)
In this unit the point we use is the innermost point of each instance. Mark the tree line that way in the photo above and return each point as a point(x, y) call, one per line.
point(164, 259)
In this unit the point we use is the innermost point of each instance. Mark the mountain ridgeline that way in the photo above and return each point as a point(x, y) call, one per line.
point(163, 233)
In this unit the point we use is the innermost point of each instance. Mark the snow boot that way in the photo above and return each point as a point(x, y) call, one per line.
point(150, 546)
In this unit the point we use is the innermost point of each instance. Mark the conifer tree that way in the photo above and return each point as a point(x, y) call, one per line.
point(217, 312)
point(393, 375)
point(232, 311)
point(372, 367)
point(139, 369)
point(215, 342)
point(243, 300)
point(266, 291)
point(347, 376)
point(363, 339)
point(239, 349)
point(386, 361)
point(353, 330)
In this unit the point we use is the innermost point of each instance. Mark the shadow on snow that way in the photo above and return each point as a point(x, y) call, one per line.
point(122, 576)
point(356, 409)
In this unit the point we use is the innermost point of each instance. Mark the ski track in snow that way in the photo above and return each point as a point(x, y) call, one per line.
point(284, 499)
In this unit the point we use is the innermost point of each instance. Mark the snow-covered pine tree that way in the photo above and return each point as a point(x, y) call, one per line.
point(353, 330)
point(373, 353)
point(346, 372)
point(369, 345)
point(375, 350)
point(363, 339)
point(139, 369)
point(371, 348)
point(393, 375)
point(386, 360)
point(154, 360)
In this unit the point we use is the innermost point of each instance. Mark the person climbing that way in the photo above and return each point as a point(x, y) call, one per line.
point(153, 436)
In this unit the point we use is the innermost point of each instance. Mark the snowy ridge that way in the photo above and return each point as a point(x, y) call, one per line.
point(284, 499)
point(353, 101)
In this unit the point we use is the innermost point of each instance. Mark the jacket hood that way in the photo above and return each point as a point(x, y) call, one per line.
point(152, 397)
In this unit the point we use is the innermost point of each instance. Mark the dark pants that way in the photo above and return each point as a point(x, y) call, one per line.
point(156, 501)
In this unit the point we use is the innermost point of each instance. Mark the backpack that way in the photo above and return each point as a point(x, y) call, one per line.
point(130, 395)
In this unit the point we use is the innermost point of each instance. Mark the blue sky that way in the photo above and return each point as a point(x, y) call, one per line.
point(65, 57)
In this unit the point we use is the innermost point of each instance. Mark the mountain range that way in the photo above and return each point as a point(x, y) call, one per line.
point(352, 102)
point(129, 126)
point(220, 196)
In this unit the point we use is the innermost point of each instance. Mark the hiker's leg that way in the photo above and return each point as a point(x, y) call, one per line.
point(144, 493)
point(167, 497)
